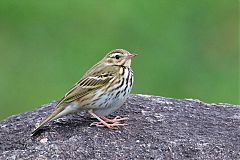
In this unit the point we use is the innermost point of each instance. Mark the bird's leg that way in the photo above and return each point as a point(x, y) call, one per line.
point(103, 122)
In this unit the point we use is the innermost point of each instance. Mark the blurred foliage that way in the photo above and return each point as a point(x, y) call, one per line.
point(187, 49)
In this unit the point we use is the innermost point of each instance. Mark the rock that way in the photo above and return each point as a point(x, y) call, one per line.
point(158, 128)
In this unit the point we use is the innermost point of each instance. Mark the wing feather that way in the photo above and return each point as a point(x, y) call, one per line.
point(85, 86)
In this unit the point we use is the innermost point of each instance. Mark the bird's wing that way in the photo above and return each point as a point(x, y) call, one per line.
point(85, 86)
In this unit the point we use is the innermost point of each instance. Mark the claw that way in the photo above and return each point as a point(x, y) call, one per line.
point(94, 124)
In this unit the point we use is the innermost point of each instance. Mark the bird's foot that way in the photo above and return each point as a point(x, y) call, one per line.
point(117, 119)
point(109, 123)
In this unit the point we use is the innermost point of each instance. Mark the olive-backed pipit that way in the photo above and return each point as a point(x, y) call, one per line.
point(101, 91)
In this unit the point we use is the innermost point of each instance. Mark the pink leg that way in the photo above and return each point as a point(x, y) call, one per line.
point(103, 121)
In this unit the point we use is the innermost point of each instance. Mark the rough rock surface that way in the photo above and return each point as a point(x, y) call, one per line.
point(159, 128)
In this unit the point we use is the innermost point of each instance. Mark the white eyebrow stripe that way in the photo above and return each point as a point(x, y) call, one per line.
point(114, 54)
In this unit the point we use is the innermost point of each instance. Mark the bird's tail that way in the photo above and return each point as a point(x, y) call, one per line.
point(53, 116)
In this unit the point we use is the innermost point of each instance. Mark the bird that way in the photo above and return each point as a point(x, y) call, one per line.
point(102, 90)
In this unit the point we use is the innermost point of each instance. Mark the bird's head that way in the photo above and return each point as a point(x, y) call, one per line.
point(119, 57)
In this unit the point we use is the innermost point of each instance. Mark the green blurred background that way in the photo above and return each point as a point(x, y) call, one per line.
point(187, 49)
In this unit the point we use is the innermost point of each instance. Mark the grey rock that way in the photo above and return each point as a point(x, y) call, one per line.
point(158, 128)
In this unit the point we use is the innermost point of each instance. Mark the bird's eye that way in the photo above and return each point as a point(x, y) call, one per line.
point(117, 56)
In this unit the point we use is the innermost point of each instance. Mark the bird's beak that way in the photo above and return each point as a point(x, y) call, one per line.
point(131, 56)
